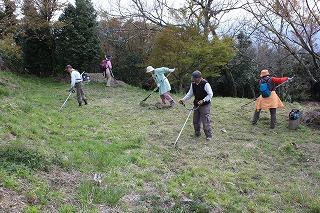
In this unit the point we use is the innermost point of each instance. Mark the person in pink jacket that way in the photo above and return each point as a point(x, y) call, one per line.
point(106, 69)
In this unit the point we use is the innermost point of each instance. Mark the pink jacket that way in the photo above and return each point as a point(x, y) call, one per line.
point(105, 65)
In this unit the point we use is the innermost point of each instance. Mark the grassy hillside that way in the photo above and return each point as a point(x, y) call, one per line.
point(49, 158)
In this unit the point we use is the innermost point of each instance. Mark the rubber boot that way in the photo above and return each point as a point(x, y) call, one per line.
point(256, 116)
point(273, 120)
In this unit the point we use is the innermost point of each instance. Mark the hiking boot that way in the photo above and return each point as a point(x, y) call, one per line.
point(85, 101)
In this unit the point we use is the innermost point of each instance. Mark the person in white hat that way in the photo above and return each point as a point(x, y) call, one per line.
point(162, 82)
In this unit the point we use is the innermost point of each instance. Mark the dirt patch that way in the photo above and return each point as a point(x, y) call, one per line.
point(11, 136)
point(105, 208)
point(312, 151)
point(63, 181)
point(11, 201)
point(157, 105)
point(98, 77)
point(6, 83)
point(312, 118)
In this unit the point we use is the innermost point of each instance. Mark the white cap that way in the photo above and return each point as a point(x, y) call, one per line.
point(150, 69)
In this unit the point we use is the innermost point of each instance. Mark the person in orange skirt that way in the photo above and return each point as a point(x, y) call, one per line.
point(272, 102)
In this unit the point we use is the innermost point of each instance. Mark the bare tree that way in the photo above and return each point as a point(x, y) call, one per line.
point(292, 24)
point(208, 14)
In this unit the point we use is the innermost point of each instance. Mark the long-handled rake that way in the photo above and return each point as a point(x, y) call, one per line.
point(65, 101)
point(190, 111)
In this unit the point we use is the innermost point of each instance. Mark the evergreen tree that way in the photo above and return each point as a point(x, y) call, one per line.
point(10, 52)
point(36, 39)
point(77, 42)
point(243, 69)
point(8, 21)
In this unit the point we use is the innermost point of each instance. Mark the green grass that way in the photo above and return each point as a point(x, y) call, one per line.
point(49, 157)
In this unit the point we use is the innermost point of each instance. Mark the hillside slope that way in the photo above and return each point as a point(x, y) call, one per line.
point(116, 156)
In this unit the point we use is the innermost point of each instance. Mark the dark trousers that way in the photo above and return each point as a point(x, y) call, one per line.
point(202, 115)
point(80, 94)
point(273, 114)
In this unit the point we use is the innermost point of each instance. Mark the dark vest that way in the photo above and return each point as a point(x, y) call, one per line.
point(268, 80)
point(199, 92)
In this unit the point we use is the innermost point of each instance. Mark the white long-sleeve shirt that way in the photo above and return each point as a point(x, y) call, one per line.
point(75, 77)
point(207, 88)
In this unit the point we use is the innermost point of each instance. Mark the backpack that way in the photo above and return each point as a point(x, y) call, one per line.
point(104, 65)
point(264, 87)
point(85, 77)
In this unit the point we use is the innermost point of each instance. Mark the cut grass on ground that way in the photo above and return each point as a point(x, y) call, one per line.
point(114, 155)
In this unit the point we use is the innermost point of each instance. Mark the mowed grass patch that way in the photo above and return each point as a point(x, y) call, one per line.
point(245, 168)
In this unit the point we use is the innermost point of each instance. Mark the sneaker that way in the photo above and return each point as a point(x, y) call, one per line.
point(80, 104)
point(172, 103)
point(208, 139)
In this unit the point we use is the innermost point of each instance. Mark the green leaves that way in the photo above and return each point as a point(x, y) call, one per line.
point(77, 42)
point(187, 50)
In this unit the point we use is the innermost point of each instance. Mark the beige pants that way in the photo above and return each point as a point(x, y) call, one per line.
point(80, 94)
point(108, 76)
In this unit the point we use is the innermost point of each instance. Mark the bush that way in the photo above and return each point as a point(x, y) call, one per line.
point(10, 53)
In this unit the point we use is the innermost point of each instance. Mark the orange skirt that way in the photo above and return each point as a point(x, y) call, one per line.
point(273, 101)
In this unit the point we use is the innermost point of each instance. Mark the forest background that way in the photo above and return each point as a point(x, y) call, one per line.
point(230, 41)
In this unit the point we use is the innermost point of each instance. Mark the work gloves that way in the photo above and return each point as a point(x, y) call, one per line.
point(200, 102)
point(71, 90)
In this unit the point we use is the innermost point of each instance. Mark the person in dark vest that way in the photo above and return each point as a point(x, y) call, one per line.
point(202, 92)
point(272, 102)
point(76, 83)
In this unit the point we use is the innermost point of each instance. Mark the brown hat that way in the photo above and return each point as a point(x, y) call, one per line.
point(264, 73)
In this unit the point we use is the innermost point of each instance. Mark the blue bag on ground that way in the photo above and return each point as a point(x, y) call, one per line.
point(294, 114)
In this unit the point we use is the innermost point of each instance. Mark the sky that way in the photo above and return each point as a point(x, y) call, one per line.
point(106, 4)
point(228, 19)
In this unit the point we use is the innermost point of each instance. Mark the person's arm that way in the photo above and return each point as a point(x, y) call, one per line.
point(208, 89)
point(162, 70)
point(109, 65)
point(188, 95)
point(279, 80)
point(73, 79)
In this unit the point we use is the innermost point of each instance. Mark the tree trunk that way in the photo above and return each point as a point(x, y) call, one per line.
point(253, 92)
point(234, 89)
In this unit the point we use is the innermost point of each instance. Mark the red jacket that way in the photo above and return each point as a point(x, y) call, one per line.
point(279, 80)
